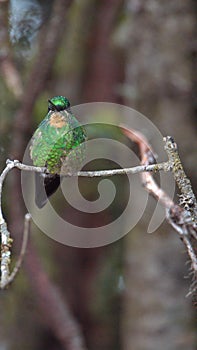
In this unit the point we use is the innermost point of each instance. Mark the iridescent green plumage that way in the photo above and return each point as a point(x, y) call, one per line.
point(58, 142)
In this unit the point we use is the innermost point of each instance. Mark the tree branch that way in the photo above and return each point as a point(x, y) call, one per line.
point(181, 217)
point(184, 224)
point(98, 173)
point(188, 199)
point(26, 232)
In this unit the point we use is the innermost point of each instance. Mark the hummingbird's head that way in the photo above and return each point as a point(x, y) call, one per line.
point(58, 103)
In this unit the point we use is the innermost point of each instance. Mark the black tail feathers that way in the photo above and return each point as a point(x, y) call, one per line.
point(45, 186)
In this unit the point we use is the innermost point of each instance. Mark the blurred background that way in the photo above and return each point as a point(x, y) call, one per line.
point(129, 295)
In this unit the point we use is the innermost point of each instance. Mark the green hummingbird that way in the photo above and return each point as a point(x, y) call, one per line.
point(57, 144)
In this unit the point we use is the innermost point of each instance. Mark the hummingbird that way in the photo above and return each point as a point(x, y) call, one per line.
point(57, 144)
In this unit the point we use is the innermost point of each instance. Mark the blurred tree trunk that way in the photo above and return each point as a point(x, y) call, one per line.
point(104, 70)
point(158, 84)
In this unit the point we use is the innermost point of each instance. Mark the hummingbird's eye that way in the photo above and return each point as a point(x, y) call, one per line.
point(51, 108)
point(58, 108)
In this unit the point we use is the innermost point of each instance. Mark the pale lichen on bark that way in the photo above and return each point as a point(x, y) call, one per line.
point(6, 243)
point(6, 240)
point(187, 197)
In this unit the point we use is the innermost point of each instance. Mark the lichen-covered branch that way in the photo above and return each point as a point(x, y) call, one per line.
point(187, 197)
point(5, 234)
point(6, 240)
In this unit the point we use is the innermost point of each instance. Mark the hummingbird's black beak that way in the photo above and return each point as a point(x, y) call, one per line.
point(51, 106)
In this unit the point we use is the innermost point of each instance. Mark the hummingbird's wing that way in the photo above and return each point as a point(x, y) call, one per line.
point(45, 186)
point(57, 135)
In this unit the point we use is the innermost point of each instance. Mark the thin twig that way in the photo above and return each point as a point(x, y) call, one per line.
point(98, 173)
point(147, 157)
point(18, 264)
point(9, 166)
point(177, 216)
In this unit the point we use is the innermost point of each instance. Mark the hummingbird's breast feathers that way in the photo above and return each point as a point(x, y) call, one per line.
point(58, 134)
point(57, 120)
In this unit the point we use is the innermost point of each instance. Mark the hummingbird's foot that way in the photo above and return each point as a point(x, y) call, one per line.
point(46, 171)
point(14, 162)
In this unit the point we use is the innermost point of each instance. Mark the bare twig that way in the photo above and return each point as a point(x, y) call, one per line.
point(9, 166)
point(147, 157)
point(98, 173)
point(19, 261)
point(176, 215)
